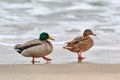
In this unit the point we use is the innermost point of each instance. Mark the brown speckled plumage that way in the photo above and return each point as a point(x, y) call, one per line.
point(81, 43)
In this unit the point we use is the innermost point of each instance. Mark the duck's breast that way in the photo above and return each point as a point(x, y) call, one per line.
point(87, 44)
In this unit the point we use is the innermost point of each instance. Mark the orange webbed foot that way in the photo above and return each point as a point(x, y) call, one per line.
point(80, 59)
point(47, 59)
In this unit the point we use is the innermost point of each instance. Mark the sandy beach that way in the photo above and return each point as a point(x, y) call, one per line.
point(24, 20)
point(80, 71)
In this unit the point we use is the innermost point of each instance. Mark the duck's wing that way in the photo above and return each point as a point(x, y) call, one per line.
point(74, 44)
point(31, 43)
point(77, 44)
point(80, 40)
point(76, 40)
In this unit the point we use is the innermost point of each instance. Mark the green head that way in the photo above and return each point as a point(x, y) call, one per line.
point(45, 36)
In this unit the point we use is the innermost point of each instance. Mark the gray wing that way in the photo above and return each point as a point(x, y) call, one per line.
point(31, 43)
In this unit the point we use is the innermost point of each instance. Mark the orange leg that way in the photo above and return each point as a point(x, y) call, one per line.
point(79, 55)
point(47, 59)
point(33, 60)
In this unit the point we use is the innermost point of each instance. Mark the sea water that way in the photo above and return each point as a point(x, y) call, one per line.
point(23, 20)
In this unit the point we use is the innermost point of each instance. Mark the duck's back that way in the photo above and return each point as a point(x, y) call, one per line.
point(80, 43)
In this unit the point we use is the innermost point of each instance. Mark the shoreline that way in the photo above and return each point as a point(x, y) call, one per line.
point(84, 71)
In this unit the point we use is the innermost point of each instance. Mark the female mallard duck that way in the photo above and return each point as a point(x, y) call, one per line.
point(36, 48)
point(81, 43)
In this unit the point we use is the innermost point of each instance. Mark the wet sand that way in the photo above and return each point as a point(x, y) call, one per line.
point(78, 71)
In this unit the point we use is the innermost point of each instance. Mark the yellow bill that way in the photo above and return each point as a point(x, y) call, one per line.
point(50, 38)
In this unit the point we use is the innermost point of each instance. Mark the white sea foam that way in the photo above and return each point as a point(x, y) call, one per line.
point(24, 20)
point(80, 6)
point(6, 44)
point(7, 37)
point(40, 11)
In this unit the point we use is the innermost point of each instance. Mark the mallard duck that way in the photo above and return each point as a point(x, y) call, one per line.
point(36, 48)
point(81, 44)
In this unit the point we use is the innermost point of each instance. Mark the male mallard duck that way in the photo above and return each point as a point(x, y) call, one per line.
point(36, 48)
point(81, 43)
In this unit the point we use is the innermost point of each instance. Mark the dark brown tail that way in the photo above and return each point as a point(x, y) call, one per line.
point(19, 50)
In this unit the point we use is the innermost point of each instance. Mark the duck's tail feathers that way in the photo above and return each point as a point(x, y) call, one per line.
point(65, 47)
point(18, 49)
